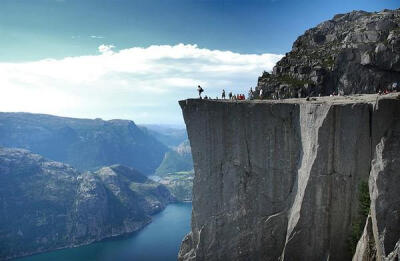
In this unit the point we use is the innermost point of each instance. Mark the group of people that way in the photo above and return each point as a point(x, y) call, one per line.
point(231, 96)
point(395, 87)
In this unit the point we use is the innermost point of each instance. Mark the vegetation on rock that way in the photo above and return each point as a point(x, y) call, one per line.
point(180, 184)
point(178, 159)
point(364, 202)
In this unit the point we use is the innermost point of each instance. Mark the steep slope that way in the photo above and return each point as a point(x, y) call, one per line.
point(357, 52)
point(82, 143)
point(46, 205)
point(280, 179)
point(176, 160)
point(381, 237)
point(176, 171)
point(180, 184)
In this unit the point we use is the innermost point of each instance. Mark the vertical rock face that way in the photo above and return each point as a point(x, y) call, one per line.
point(280, 180)
point(384, 182)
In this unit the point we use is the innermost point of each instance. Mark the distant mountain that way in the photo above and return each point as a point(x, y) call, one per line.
point(176, 169)
point(46, 205)
point(176, 160)
point(180, 184)
point(169, 135)
point(83, 143)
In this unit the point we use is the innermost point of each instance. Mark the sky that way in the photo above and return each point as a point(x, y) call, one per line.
point(134, 60)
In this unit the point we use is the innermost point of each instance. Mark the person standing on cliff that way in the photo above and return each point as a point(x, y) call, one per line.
point(395, 87)
point(200, 90)
point(230, 95)
point(223, 94)
point(261, 94)
point(250, 97)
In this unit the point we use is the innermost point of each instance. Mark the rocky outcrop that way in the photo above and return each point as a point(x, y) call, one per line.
point(366, 250)
point(280, 180)
point(357, 52)
point(47, 205)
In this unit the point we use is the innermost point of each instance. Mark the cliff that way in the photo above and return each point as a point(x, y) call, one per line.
point(357, 52)
point(281, 180)
point(47, 205)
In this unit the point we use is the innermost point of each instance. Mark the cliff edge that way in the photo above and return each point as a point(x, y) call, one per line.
point(281, 180)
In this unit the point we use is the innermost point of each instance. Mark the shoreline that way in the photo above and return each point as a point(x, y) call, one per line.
point(105, 239)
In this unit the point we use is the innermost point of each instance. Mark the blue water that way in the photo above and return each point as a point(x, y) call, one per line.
point(160, 240)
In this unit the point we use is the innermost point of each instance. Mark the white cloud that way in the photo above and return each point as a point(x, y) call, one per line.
point(143, 84)
point(106, 48)
point(96, 37)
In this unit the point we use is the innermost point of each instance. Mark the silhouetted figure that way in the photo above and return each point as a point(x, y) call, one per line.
point(250, 93)
point(230, 95)
point(395, 87)
point(299, 93)
point(379, 89)
point(223, 94)
point(200, 90)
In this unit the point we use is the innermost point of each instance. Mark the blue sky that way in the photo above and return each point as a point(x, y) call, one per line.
point(33, 30)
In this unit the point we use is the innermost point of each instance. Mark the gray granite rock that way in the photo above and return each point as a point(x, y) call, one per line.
point(279, 180)
point(357, 52)
point(384, 182)
point(366, 250)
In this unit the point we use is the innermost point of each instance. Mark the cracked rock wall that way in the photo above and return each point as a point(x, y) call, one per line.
point(278, 180)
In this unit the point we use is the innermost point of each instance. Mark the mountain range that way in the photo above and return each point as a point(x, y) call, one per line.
point(47, 205)
point(83, 143)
